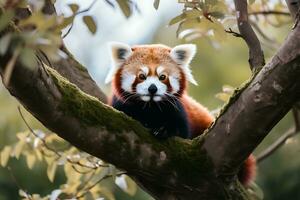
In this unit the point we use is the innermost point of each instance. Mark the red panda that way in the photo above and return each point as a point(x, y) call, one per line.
point(149, 83)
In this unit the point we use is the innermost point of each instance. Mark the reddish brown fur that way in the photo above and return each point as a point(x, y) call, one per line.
point(199, 117)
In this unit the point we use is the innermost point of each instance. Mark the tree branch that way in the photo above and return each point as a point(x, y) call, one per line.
point(256, 56)
point(256, 108)
point(270, 12)
point(276, 145)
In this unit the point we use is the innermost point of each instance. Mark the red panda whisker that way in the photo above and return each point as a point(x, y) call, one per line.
point(172, 103)
point(145, 104)
point(158, 106)
point(130, 96)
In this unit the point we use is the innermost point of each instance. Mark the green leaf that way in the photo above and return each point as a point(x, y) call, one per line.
point(5, 19)
point(51, 171)
point(219, 31)
point(223, 96)
point(177, 19)
point(90, 23)
point(74, 7)
point(18, 148)
point(228, 89)
point(251, 1)
point(187, 15)
point(125, 7)
point(4, 43)
point(126, 184)
point(30, 158)
point(255, 191)
point(156, 4)
point(66, 21)
point(22, 193)
point(5, 153)
point(211, 2)
point(107, 193)
point(131, 186)
point(217, 15)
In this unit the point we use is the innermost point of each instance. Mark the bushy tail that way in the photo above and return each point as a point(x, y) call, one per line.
point(247, 172)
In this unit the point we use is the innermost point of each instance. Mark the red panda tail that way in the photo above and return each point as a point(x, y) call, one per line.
point(247, 172)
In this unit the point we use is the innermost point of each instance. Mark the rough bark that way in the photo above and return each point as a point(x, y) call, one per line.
point(203, 168)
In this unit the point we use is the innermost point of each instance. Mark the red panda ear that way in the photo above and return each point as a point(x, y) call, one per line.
point(120, 52)
point(183, 55)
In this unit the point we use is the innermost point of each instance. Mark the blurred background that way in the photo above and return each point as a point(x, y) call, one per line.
point(215, 65)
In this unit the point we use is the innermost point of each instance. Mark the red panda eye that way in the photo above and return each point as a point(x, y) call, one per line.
point(142, 77)
point(162, 77)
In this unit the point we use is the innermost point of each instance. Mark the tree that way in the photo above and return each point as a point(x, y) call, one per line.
point(60, 93)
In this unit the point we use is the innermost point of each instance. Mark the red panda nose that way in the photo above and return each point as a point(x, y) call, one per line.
point(152, 89)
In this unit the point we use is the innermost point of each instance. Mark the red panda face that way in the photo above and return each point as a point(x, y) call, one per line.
point(150, 72)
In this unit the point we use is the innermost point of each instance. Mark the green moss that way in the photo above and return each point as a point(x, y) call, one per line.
point(188, 159)
point(90, 110)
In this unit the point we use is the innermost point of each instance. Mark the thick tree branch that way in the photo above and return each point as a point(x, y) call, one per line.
point(77, 74)
point(256, 108)
point(159, 166)
point(256, 55)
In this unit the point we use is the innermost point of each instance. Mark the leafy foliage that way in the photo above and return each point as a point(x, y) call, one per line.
point(210, 18)
point(84, 173)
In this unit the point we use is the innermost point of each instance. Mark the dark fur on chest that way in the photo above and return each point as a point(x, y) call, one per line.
point(164, 118)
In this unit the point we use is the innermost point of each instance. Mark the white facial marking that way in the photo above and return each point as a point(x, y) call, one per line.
point(142, 88)
point(127, 81)
point(145, 70)
point(145, 98)
point(174, 82)
point(157, 98)
point(159, 70)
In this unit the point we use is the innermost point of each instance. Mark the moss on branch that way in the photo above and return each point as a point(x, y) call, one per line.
point(182, 154)
point(90, 110)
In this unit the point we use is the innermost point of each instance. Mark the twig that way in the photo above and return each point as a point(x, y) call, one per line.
point(296, 114)
point(235, 34)
point(17, 183)
point(270, 12)
point(93, 167)
point(276, 145)
point(93, 185)
point(261, 33)
point(77, 13)
point(10, 66)
point(256, 55)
